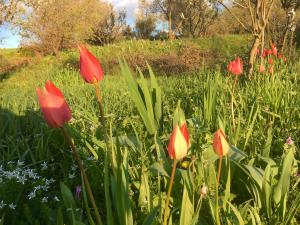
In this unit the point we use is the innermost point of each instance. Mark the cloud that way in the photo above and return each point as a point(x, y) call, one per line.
point(129, 5)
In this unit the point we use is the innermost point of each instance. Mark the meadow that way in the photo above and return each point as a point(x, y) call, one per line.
point(41, 184)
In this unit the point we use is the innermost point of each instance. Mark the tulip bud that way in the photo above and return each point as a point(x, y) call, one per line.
point(178, 143)
point(236, 66)
point(279, 56)
point(270, 61)
point(203, 191)
point(53, 105)
point(274, 50)
point(90, 68)
point(220, 145)
point(271, 70)
point(262, 68)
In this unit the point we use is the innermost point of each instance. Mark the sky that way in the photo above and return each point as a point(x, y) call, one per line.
point(11, 39)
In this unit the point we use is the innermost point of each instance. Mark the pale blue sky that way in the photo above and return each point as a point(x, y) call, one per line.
point(11, 39)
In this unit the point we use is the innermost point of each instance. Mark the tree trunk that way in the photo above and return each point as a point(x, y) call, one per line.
point(290, 29)
point(252, 55)
point(170, 32)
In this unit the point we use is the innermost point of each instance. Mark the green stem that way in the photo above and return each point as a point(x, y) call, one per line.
point(85, 178)
point(217, 191)
point(169, 192)
point(232, 109)
point(107, 157)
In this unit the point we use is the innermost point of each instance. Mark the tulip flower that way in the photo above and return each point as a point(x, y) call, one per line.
point(53, 105)
point(274, 50)
point(236, 66)
point(90, 68)
point(284, 59)
point(265, 53)
point(270, 52)
point(279, 56)
point(261, 68)
point(270, 61)
point(271, 70)
point(179, 142)
point(220, 145)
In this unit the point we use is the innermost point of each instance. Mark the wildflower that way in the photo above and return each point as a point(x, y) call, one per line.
point(236, 66)
point(279, 56)
point(77, 191)
point(270, 61)
point(53, 105)
point(44, 200)
point(12, 206)
point(271, 70)
point(178, 144)
point(44, 166)
point(90, 68)
point(289, 141)
point(220, 145)
point(56, 199)
point(203, 191)
point(2, 204)
point(31, 195)
point(274, 50)
point(261, 68)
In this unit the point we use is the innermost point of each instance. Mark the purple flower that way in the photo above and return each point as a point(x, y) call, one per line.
point(77, 191)
point(289, 141)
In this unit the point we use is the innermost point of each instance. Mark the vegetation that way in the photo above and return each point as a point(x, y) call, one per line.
point(259, 178)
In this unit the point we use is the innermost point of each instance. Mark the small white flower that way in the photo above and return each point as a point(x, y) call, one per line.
point(44, 166)
point(2, 204)
point(20, 163)
point(44, 200)
point(56, 199)
point(74, 167)
point(12, 206)
point(71, 176)
point(31, 195)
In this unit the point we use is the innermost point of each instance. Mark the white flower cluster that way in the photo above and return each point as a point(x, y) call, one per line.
point(29, 177)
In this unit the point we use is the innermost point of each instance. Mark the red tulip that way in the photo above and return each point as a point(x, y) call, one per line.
point(274, 50)
point(265, 53)
point(220, 145)
point(271, 70)
point(236, 66)
point(279, 56)
point(270, 61)
point(261, 68)
point(270, 52)
point(90, 68)
point(284, 59)
point(178, 143)
point(53, 105)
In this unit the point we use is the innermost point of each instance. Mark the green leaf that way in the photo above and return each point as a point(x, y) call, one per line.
point(237, 214)
point(283, 184)
point(151, 216)
point(187, 206)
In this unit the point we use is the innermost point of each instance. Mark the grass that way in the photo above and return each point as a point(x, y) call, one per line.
point(266, 112)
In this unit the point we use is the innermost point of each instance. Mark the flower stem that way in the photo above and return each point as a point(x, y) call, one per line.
point(217, 190)
point(107, 158)
point(169, 191)
point(85, 178)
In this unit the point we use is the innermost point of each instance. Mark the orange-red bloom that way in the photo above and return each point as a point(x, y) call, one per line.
point(279, 56)
point(220, 145)
point(270, 61)
point(274, 49)
point(53, 105)
point(261, 68)
point(179, 142)
point(90, 68)
point(271, 70)
point(236, 66)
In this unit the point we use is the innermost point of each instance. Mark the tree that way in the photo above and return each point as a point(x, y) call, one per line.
point(110, 28)
point(259, 12)
point(290, 7)
point(53, 25)
point(145, 27)
point(198, 15)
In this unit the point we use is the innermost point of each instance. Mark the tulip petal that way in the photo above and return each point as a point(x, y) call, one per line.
point(180, 145)
point(185, 133)
point(51, 88)
point(90, 68)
